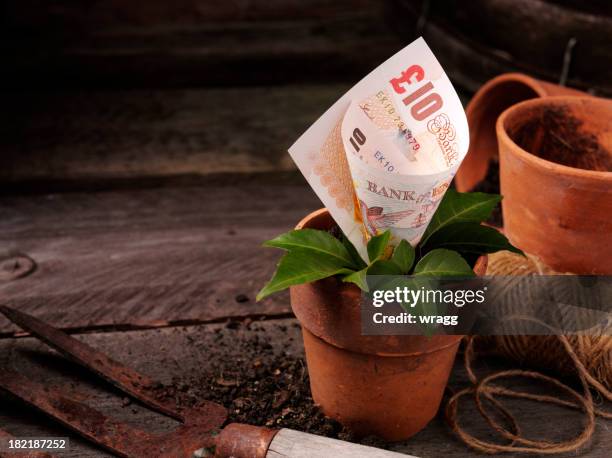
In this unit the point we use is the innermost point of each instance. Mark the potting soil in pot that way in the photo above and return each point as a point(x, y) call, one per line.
point(558, 136)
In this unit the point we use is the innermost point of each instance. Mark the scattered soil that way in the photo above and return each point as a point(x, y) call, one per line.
point(260, 383)
point(558, 136)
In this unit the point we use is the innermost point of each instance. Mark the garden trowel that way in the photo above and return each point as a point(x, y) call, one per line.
point(201, 434)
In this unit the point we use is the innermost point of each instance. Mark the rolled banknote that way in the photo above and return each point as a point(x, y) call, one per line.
point(384, 154)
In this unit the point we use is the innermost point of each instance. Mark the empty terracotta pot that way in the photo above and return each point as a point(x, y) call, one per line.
point(482, 112)
point(556, 179)
point(388, 386)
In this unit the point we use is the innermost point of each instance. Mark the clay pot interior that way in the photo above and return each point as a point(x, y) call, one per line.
point(556, 179)
point(576, 134)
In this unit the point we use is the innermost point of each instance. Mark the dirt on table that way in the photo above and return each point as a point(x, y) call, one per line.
point(260, 383)
point(556, 135)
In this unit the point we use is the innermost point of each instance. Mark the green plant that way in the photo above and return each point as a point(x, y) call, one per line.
point(452, 242)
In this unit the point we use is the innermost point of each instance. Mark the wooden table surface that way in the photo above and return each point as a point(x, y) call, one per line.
point(133, 269)
point(142, 163)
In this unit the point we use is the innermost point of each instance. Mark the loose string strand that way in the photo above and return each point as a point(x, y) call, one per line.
point(484, 388)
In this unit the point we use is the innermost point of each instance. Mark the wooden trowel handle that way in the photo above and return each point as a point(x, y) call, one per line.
point(288, 443)
point(245, 441)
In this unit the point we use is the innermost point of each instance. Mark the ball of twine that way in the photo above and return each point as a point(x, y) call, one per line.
point(587, 357)
point(593, 350)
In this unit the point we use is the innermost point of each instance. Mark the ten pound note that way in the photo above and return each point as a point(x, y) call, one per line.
point(384, 154)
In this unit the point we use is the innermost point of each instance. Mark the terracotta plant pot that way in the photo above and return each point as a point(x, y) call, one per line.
point(388, 386)
point(559, 213)
point(482, 112)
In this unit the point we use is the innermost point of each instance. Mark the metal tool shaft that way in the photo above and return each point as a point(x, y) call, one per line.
point(87, 421)
point(124, 378)
point(198, 422)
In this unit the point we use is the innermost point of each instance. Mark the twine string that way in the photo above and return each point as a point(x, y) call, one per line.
point(485, 388)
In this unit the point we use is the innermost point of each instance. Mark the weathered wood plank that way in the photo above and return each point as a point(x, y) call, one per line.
point(73, 136)
point(151, 256)
point(476, 41)
point(116, 14)
point(510, 28)
point(187, 356)
point(189, 43)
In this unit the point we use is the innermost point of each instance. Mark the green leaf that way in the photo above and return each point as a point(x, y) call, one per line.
point(422, 307)
point(355, 256)
point(384, 267)
point(377, 245)
point(470, 238)
point(302, 266)
point(461, 207)
point(403, 256)
point(441, 263)
point(315, 240)
point(379, 267)
point(359, 278)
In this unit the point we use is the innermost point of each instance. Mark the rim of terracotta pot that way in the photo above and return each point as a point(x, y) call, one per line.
point(533, 84)
point(544, 164)
point(391, 346)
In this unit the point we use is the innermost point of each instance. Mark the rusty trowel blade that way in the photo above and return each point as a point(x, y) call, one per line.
point(87, 421)
point(131, 382)
point(120, 438)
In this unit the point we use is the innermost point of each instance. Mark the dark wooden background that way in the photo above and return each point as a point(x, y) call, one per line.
point(98, 89)
point(143, 158)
